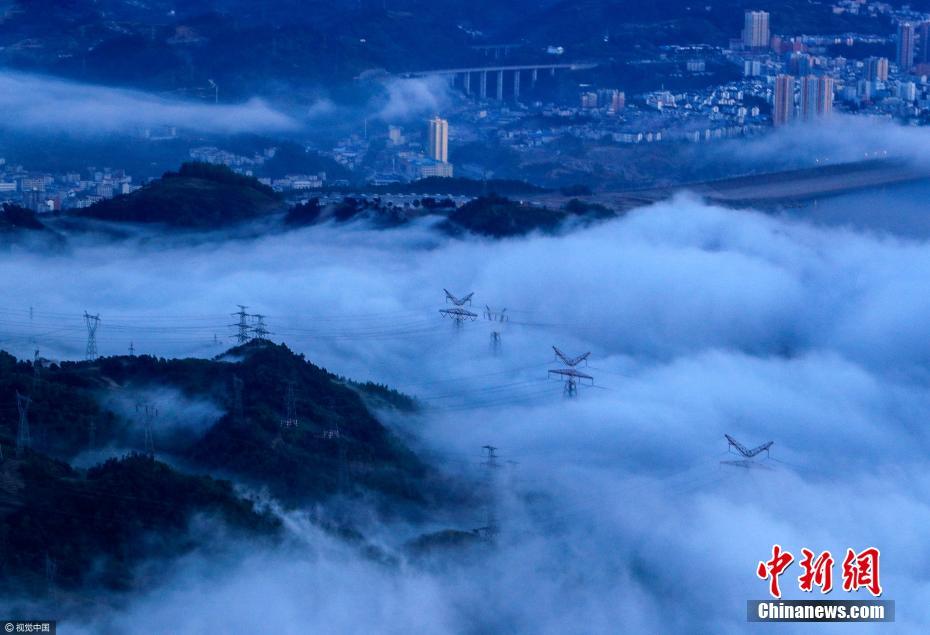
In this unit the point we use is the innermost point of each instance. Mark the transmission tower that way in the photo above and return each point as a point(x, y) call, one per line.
point(458, 314)
point(569, 373)
point(290, 407)
point(498, 318)
point(451, 299)
point(92, 322)
point(570, 361)
point(147, 412)
point(491, 457)
point(132, 349)
point(572, 379)
point(747, 457)
point(496, 342)
point(242, 336)
point(491, 528)
point(260, 331)
point(23, 438)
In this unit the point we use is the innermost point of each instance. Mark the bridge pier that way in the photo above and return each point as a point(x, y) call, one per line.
point(453, 75)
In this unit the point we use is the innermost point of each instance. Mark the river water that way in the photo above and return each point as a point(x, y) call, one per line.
point(899, 210)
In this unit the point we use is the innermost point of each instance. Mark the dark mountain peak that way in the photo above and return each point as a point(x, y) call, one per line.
point(281, 421)
point(198, 196)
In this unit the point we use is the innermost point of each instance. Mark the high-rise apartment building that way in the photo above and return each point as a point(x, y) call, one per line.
point(907, 91)
point(618, 101)
point(825, 90)
point(907, 45)
point(923, 43)
point(876, 69)
point(816, 97)
point(783, 104)
point(439, 140)
point(589, 100)
point(756, 29)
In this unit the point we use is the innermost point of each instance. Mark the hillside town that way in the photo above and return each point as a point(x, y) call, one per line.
point(760, 81)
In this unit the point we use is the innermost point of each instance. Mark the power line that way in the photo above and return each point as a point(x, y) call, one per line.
point(482, 390)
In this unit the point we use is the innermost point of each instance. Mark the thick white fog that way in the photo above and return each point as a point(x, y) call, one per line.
point(413, 97)
point(839, 139)
point(41, 104)
point(617, 516)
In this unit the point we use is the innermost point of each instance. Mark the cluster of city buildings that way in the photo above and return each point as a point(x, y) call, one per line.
point(247, 165)
point(405, 157)
point(772, 79)
point(766, 79)
point(784, 78)
point(236, 162)
point(807, 83)
point(412, 164)
point(44, 192)
point(295, 182)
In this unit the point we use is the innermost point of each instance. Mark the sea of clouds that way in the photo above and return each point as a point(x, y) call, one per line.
point(616, 514)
